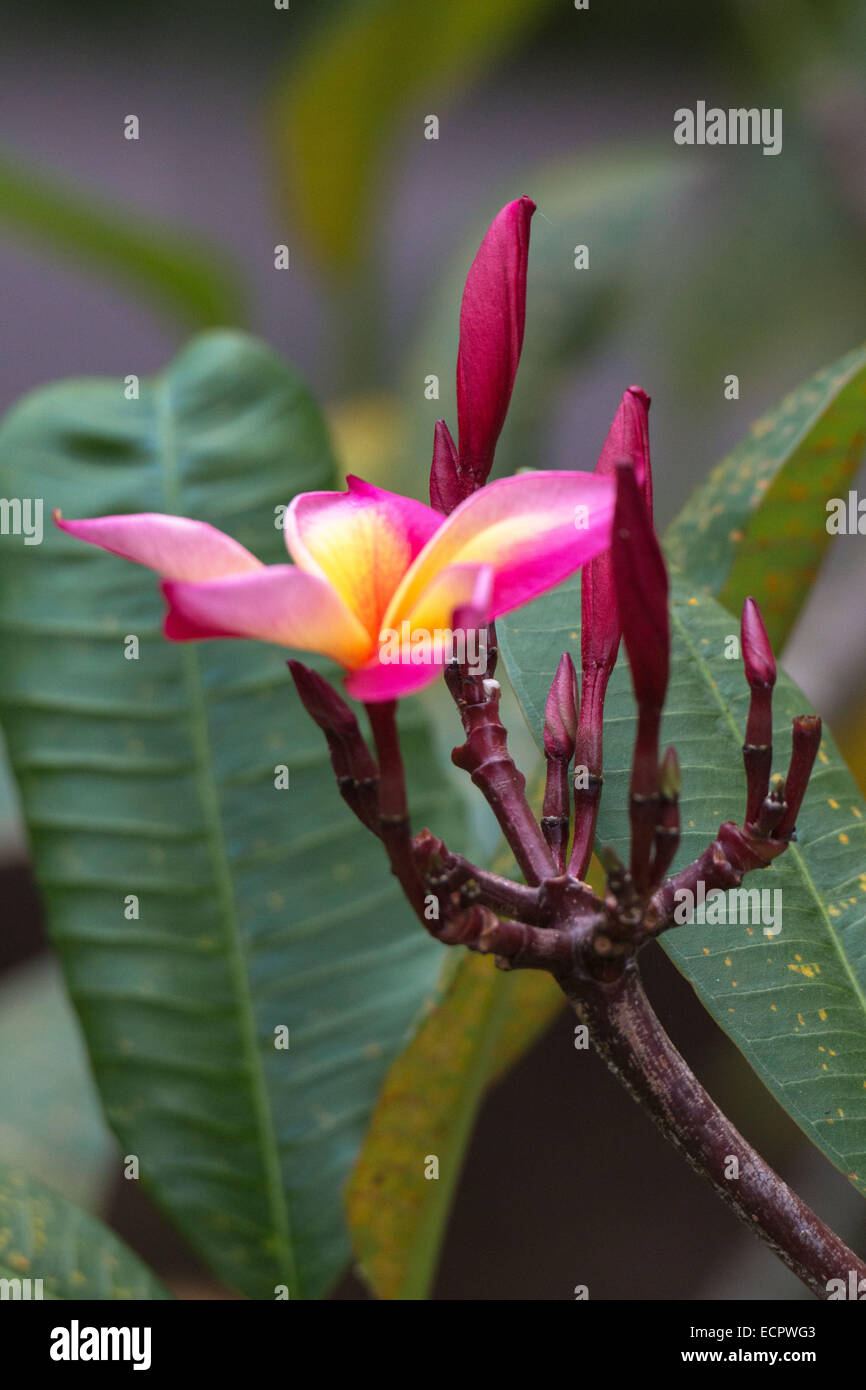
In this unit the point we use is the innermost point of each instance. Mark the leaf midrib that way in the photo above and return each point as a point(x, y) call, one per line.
point(210, 802)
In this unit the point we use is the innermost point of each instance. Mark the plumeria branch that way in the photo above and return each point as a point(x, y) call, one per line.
point(590, 945)
point(370, 568)
point(628, 1035)
point(486, 758)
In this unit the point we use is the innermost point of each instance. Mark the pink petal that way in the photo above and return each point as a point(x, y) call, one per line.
point(452, 610)
point(363, 541)
point(534, 530)
point(174, 546)
point(280, 604)
point(492, 318)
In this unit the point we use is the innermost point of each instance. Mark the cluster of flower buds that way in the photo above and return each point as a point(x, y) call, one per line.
point(553, 920)
point(624, 595)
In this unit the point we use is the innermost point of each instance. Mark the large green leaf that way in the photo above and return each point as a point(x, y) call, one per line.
point(174, 270)
point(481, 1023)
point(51, 1125)
point(335, 107)
point(258, 907)
point(794, 1004)
point(758, 524)
point(42, 1236)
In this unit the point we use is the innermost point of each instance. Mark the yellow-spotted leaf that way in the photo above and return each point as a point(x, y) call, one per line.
point(758, 525)
point(793, 1001)
point(401, 1189)
point(49, 1249)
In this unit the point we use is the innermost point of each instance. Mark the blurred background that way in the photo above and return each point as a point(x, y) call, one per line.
point(261, 127)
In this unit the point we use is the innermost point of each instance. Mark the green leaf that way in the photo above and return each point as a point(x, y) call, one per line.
point(481, 1023)
point(42, 1236)
point(51, 1125)
point(259, 908)
point(758, 524)
point(795, 1004)
point(174, 270)
point(336, 106)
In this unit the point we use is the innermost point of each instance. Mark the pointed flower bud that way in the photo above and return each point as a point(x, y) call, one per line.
point(444, 481)
point(322, 703)
point(627, 440)
point(492, 319)
point(755, 645)
point(560, 712)
point(641, 590)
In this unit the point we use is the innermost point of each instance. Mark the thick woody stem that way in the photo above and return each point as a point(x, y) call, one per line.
point(452, 873)
point(393, 807)
point(516, 945)
point(629, 1036)
point(736, 851)
point(486, 758)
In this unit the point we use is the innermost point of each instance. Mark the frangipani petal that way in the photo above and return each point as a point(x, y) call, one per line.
point(444, 625)
point(174, 546)
point(362, 541)
point(280, 604)
point(461, 593)
point(534, 530)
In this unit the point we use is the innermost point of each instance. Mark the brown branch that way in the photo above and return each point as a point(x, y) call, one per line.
point(486, 758)
point(627, 1033)
point(451, 873)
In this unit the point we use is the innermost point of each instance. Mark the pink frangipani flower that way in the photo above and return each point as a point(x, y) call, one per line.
point(369, 563)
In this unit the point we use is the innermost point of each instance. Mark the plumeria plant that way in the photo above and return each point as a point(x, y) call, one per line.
point(400, 594)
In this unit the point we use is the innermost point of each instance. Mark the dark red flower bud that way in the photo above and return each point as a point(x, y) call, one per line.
point(600, 628)
point(641, 583)
point(758, 656)
point(560, 712)
point(492, 320)
point(321, 701)
point(353, 763)
point(445, 490)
